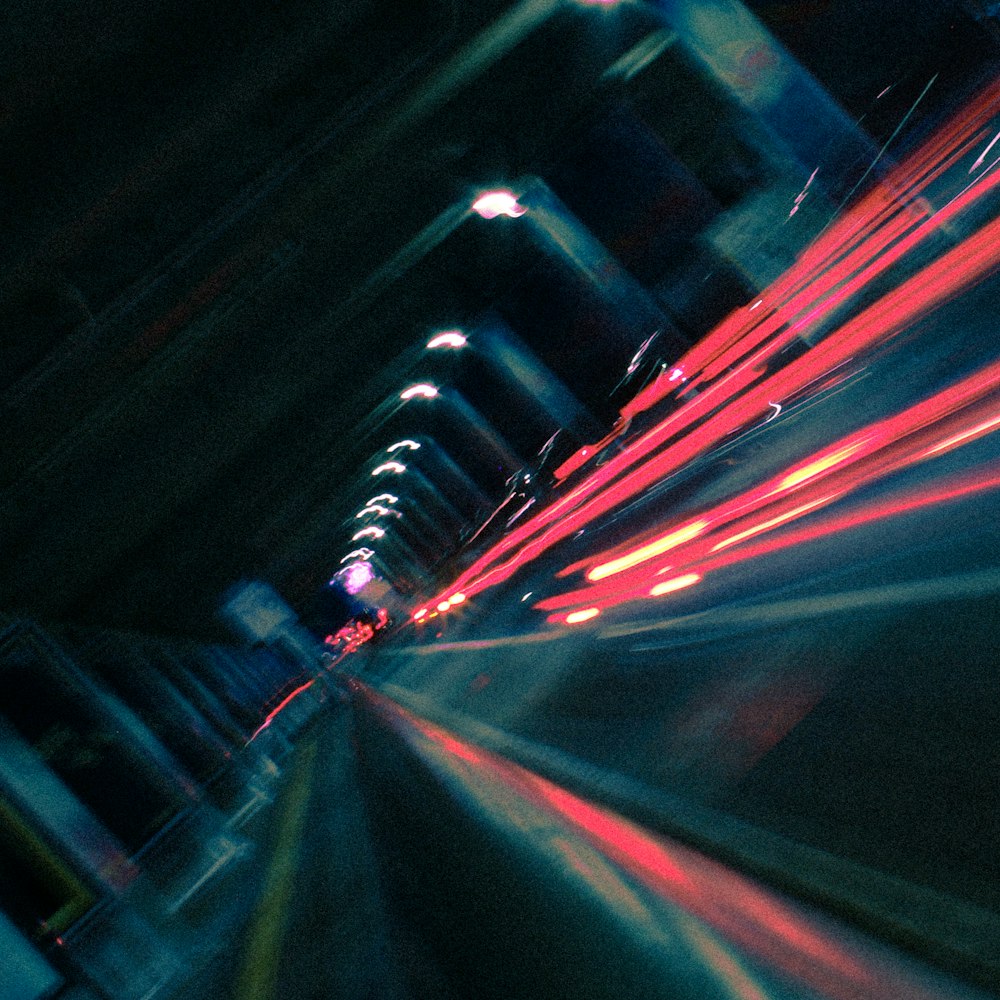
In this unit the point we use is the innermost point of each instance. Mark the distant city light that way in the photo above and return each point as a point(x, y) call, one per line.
point(575, 617)
point(370, 532)
point(419, 613)
point(357, 576)
point(443, 606)
point(422, 389)
point(383, 498)
point(405, 443)
point(396, 467)
point(450, 338)
point(494, 203)
point(457, 598)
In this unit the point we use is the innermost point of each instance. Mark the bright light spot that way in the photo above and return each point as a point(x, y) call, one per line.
point(370, 532)
point(361, 553)
point(443, 606)
point(417, 615)
point(374, 508)
point(422, 389)
point(450, 338)
point(773, 522)
point(458, 598)
point(494, 203)
point(383, 498)
point(396, 467)
point(820, 465)
point(526, 596)
point(677, 583)
point(357, 576)
point(676, 374)
point(984, 428)
point(757, 304)
point(650, 551)
point(575, 617)
point(405, 443)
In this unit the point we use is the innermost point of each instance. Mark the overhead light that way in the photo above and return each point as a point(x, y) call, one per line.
point(405, 443)
point(374, 509)
point(450, 338)
point(493, 203)
point(396, 467)
point(362, 553)
point(423, 389)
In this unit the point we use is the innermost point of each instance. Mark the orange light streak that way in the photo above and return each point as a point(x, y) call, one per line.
point(649, 551)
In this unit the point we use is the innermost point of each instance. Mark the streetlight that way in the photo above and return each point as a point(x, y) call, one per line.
point(362, 553)
point(397, 467)
point(449, 338)
point(490, 204)
point(421, 389)
point(405, 443)
point(377, 509)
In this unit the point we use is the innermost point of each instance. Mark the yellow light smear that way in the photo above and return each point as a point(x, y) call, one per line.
point(649, 551)
point(764, 525)
point(965, 435)
point(820, 465)
point(575, 617)
point(677, 583)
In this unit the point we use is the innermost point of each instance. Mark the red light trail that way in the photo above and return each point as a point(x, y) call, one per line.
point(731, 365)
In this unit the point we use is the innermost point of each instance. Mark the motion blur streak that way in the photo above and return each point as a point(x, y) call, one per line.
point(945, 588)
point(648, 551)
point(725, 907)
point(847, 245)
point(890, 440)
point(888, 446)
point(956, 270)
point(285, 702)
point(634, 587)
point(677, 583)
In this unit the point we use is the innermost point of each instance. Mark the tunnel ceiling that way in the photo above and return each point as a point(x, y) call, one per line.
point(220, 254)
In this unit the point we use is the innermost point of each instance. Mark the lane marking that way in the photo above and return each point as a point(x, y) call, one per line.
point(258, 977)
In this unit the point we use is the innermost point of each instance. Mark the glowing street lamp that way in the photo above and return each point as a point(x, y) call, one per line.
point(397, 467)
point(383, 498)
point(362, 553)
point(405, 443)
point(378, 509)
point(450, 338)
point(493, 203)
point(370, 532)
point(421, 389)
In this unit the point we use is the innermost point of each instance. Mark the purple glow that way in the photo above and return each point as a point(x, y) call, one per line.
point(356, 576)
point(494, 203)
point(450, 338)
